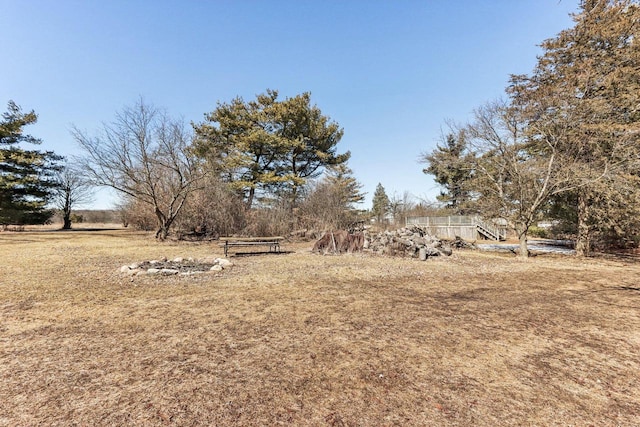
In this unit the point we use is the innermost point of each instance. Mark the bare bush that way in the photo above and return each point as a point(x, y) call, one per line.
point(213, 211)
point(324, 209)
point(330, 203)
point(97, 216)
point(137, 214)
point(269, 221)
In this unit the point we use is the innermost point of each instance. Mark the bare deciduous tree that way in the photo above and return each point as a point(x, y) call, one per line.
point(513, 176)
point(145, 155)
point(400, 206)
point(72, 190)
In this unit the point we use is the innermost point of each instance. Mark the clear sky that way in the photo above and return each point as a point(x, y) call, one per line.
point(389, 72)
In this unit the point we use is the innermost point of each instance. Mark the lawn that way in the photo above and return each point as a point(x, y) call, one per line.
point(302, 339)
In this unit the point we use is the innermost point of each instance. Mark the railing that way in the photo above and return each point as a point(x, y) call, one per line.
point(490, 231)
point(493, 233)
point(443, 221)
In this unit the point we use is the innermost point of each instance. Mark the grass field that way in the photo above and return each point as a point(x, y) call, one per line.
point(301, 339)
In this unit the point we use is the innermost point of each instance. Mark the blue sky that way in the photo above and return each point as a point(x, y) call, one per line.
point(389, 72)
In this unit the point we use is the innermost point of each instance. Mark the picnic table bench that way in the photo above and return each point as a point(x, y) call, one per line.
point(272, 242)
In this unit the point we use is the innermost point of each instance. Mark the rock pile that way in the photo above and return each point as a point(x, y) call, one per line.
point(410, 241)
point(460, 243)
point(176, 266)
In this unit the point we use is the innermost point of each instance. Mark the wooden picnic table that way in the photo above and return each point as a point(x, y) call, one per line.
point(272, 242)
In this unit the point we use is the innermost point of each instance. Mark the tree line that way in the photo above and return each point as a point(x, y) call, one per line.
point(264, 166)
point(249, 166)
point(564, 144)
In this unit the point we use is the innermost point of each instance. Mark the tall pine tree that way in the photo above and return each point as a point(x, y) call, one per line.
point(26, 176)
point(584, 95)
point(269, 146)
point(381, 202)
point(449, 164)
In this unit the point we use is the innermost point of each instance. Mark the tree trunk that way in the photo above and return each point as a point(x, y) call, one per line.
point(66, 213)
point(252, 192)
point(294, 197)
point(523, 249)
point(162, 232)
point(163, 228)
point(582, 238)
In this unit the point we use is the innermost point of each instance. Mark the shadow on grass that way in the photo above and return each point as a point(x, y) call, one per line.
point(247, 254)
point(84, 229)
point(629, 288)
point(627, 257)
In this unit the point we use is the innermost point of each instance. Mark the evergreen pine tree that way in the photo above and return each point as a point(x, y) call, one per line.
point(584, 95)
point(449, 165)
point(26, 176)
point(380, 204)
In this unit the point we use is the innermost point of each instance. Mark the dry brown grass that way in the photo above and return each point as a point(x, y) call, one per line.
point(302, 339)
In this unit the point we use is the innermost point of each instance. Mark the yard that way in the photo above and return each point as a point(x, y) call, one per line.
point(302, 339)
